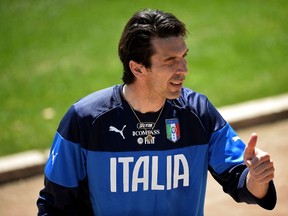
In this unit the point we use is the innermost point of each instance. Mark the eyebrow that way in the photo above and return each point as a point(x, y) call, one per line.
point(174, 57)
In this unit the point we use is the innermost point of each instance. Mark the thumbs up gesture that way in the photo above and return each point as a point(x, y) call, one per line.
point(261, 168)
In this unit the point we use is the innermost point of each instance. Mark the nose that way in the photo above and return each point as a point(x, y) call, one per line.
point(182, 66)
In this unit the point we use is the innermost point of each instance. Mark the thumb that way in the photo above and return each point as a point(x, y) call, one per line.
point(250, 148)
point(249, 152)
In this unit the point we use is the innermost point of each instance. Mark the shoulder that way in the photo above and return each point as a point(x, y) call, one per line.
point(81, 114)
point(200, 106)
point(99, 101)
point(190, 99)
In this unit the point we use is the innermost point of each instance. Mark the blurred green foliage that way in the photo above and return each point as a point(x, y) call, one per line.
point(54, 52)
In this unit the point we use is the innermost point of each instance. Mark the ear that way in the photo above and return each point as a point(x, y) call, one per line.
point(136, 68)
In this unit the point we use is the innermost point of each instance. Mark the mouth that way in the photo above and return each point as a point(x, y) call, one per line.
point(176, 83)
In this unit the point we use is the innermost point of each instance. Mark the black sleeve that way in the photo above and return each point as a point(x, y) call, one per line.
point(233, 182)
point(56, 200)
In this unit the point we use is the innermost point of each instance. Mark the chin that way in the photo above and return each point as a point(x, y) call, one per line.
point(174, 95)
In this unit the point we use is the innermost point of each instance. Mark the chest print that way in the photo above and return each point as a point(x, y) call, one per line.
point(114, 129)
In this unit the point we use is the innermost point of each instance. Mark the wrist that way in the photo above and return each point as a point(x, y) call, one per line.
point(259, 190)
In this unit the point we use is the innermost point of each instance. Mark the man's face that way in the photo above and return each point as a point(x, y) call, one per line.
point(168, 67)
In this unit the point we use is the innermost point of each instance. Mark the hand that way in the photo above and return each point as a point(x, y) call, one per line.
point(261, 168)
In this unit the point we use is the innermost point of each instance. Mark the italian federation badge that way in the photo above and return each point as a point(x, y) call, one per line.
point(172, 129)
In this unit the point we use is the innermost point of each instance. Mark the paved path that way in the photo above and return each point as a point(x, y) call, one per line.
point(18, 198)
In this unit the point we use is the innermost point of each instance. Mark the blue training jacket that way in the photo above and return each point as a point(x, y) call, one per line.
point(103, 163)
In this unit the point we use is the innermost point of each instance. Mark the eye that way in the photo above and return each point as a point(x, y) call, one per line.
point(185, 54)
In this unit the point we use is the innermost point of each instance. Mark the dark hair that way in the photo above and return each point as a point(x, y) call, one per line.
point(135, 43)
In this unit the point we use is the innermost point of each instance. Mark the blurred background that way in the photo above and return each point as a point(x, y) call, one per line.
point(54, 52)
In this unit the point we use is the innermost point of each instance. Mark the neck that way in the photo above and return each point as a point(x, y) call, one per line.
point(140, 101)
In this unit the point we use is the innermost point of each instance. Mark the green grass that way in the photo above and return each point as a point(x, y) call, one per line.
point(54, 52)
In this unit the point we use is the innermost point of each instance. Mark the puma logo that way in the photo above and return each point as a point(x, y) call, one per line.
point(112, 128)
point(235, 138)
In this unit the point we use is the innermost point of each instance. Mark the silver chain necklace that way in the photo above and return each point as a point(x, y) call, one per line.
point(149, 136)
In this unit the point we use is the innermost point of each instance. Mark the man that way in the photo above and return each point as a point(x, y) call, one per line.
point(144, 147)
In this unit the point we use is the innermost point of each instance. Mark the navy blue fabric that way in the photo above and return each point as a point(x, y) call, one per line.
point(102, 155)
